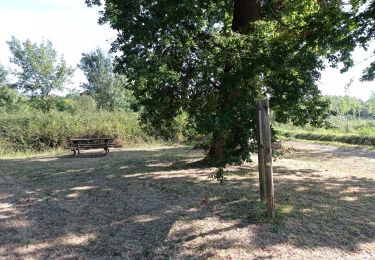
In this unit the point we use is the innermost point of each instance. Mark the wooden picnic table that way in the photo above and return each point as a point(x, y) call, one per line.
point(77, 144)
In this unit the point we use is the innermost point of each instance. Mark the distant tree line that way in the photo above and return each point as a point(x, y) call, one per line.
point(41, 73)
point(351, 106)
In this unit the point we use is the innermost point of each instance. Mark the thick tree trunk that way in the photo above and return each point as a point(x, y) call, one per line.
point(244, 13)
point(216, 152)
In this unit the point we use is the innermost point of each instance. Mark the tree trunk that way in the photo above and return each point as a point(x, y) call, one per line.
point(244, 13)
point(216, 152)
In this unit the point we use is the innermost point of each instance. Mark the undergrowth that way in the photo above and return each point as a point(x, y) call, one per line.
point(349, 131)
point(36, 132)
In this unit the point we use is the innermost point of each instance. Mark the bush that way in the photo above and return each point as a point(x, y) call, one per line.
point(40, 131)
point(345, 130)
point(348, 139)
point(11, 100)
point(52, 103)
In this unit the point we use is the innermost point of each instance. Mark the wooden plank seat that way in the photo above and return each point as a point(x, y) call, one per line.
point(76, 145)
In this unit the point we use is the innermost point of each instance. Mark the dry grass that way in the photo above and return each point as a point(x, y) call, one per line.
point(160, 203)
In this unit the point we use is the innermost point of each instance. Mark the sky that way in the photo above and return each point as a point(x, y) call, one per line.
point(69, 24)
point(73, 29)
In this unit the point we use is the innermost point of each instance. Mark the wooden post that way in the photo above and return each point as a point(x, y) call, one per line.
point(261, 165)
point(266, 127)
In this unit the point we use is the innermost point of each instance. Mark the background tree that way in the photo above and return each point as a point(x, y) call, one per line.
point(41, 70)
point(214, 59)
point(3, 76)
point(371, 104)
point(108, 88)
point(11, 100)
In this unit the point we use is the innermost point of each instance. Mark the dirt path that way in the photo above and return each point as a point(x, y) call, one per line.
point(161, 203)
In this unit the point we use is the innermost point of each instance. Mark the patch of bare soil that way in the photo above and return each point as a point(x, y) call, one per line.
point(161, 203)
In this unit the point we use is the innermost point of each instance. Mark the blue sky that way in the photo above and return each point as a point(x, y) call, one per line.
point(73, 29)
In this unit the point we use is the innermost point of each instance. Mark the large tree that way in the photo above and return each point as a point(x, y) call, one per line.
point(214, 59)
point(41, 69)
point(104, 85)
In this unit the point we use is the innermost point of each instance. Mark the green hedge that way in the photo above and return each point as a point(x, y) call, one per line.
point(349, 139)
point(41, 131)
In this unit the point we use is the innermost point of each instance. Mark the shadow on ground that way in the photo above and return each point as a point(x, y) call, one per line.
point(160, 203)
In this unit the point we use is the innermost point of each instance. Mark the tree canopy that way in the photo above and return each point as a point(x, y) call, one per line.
point(366, 33)
point(41, 70)
point(214, 59)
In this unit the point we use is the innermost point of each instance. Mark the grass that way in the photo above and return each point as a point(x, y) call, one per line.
point(160, 202)
point(61, 151)
point(26, 154)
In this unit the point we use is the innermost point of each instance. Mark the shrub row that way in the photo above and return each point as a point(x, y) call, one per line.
point(41, 131)
point(349, 139)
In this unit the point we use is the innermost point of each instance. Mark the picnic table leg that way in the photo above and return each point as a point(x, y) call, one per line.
point(106, 147)
point(74, 152)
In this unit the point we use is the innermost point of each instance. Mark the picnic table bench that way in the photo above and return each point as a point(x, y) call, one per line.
point(90, 143)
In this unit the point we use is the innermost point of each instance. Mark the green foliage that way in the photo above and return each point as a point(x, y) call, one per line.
point(346, 105)
point(108, 88)
point(84, 104)
point(348, 139)
point(180, 130)
point(369, 73)
point(371, 105)
point(220, 175)
point(41, 70)
point(30, 124)
point(366, 33)
point(191, 56)
point(52, 103)
point(3, 76)
point(11, 100)
point(40, 131)
point(351, 131)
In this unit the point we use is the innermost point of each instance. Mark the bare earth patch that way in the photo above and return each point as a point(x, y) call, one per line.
point(161, 203)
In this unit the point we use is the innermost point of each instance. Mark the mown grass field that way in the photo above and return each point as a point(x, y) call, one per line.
point(160, 203)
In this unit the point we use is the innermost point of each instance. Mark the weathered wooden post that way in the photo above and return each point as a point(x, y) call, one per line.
point(261, 166)
point(266, 127)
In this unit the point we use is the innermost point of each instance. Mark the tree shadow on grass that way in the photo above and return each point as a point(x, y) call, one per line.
point(322, 211)
point(326, 152)
point(161, 202)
